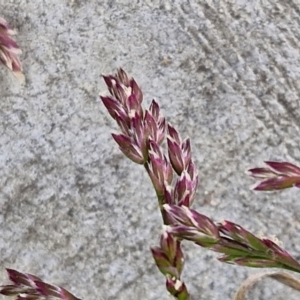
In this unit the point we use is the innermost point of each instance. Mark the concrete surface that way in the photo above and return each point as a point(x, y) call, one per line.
point(78, 214)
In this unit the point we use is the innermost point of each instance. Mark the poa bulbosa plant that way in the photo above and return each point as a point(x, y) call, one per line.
point(150, 141)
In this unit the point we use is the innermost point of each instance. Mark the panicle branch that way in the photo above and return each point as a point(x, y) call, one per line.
point(276, 176)
point(9, 50)
point(237, 245)
point(169, 260)
point(29, 287)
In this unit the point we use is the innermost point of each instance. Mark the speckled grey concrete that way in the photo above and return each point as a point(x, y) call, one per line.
point(73, 210)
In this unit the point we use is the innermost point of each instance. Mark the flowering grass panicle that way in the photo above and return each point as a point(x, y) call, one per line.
point(175, 179)
point(142, 134)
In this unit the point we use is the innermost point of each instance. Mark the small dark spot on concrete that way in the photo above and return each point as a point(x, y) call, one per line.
point(71, 212)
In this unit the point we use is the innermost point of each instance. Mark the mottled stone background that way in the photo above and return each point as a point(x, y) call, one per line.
point(73, 210)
